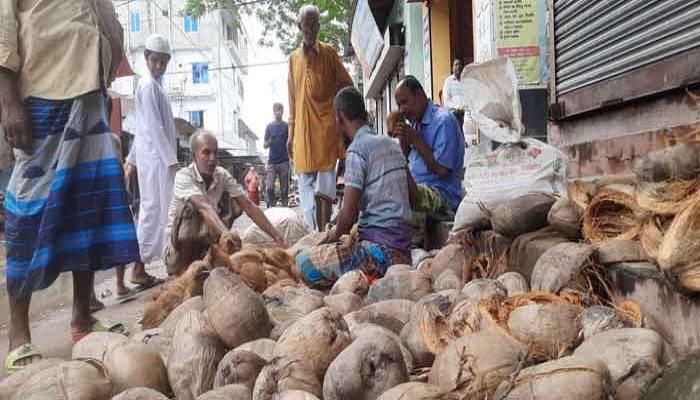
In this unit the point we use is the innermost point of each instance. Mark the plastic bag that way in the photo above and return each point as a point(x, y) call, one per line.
point(289, 225)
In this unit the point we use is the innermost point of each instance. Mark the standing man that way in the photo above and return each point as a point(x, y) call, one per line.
point(155, 158)
point(276, 136)
point(66, 205)
point(316, 74)
point(453, 91)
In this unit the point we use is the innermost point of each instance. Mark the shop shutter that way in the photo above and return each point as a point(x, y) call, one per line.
point(599, 39)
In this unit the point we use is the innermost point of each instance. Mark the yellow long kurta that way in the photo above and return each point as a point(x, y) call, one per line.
point(314, 80)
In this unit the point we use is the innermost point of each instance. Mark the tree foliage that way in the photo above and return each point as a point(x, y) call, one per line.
point(279, 19)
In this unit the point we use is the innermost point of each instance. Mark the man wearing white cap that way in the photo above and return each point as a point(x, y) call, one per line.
point(155, 157)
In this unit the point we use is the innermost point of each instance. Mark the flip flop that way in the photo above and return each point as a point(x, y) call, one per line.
point(102, 325)
point(130, 294)
point(150, 282)
point(23, 352)
point(97, 306)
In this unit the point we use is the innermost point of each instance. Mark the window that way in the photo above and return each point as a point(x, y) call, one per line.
point(191, 24)
point(197, 118)
point(135, 21)
point(200, 73)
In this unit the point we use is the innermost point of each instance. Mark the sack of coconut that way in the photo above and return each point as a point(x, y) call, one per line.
point(679, 253)
point(285, 220)
point(612, 214)
point(79, 379)
point(569, 378)
point(677, 162)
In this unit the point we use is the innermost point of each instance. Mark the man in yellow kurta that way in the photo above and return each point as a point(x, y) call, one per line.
point(316, 74)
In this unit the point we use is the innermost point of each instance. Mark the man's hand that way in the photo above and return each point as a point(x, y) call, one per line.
point(280, 242)
point(406, 134)
point(330, 237)
point(173, 168)
point(13, 118)
point(290, 147)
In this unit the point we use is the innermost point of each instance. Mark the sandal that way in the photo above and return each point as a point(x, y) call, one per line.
point(130, 294)
point(23, 352)
point(148, 283)
point(102, 325)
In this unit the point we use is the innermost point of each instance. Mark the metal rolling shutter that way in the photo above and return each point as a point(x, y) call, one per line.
point(599, 39)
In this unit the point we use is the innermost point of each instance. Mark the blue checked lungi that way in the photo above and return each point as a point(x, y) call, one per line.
point(66, 206)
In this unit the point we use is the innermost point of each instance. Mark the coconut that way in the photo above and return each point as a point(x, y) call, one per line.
point(559, 265)
point(133, 364)
point(237, 314)
point(552, 329)
point(140, 394)
point(484, 289)
point(528, 248)
point(365, 369)
point(410, 285)
point(196, 351)
point(612, 214)
point(316, 338)
point(416, 391)
point(447, 280)
point(283, 374)
point(248, 264)
point(238, 367)
point(522, 214)
point(294, 395)
point(372, 330)
point(413, 340)
point(343, 303)
point(474, 365)
point(566, 217)
point(398, 268)
point(597, 319)
point(229, 392)
point(287, 304)
point(418, 255)
point(452, 257)
point(279, 259)
point(263, 348)
point(96, 345)
point(390, 314)
point(79, 379)
point(514, 283)
point(155, 340)
point(168, 326)
point(568, 378)
point(12, 383)
point(672, 163)
point(353, 282)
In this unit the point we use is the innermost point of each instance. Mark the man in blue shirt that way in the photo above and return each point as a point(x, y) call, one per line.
point(276, 135)
point(434, 146)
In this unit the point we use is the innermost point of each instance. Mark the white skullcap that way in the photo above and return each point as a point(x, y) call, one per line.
point(158, 43)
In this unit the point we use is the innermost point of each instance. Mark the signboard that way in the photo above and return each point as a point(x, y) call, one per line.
point(427, 57)
point(366, 39)
point(520, 28)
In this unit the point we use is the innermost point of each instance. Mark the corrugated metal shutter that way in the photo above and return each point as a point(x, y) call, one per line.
point(599, 39)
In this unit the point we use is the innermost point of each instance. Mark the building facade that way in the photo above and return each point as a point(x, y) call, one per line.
point(204, 81)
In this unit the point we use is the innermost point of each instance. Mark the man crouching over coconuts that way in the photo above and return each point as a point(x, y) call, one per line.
point(377, 188)
point(200, 213)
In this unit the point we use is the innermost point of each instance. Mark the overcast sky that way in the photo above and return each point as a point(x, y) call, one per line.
point(264, 85)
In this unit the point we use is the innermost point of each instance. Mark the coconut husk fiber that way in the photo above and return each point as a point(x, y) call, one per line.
point(677, 162)
point(667, 197)
point(652, 235)
point(612, 214)
point(679, 253)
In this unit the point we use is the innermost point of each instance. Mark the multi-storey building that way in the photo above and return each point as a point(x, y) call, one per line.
point(205, 76)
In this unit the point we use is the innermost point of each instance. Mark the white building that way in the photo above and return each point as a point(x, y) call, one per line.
point(205, 76)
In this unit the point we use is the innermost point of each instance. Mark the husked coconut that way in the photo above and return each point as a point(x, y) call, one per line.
point(398, 268)
point(410, 285)
point(559, 265)
point(236, 312)
point(168, 326)
point(412, 338)
point(514, 283)
point(155, 340)
point(195, 353)
point(452, 257)
point(294, 395)
point(416, 391)
point(522, 214)
point(465, 318)
point(263, 348)
point(354, 282)
point(316, 338)
point(401, 309)
point(229, 392)
point(597, 319)
point(566, 217)
point(552, 328)
point(283, 374)
point(390, 314)
point(78, 379)
point(418, 255)
point(96, 345)
point(133, 364)
point(238, 367)
point(10, 384)
point(372, 330)
point(343, 303)
point(448, 280)
point(140, 394)
point(286, 305)
point(365, 369)
point(484, 289)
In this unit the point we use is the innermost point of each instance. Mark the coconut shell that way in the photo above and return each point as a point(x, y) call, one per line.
point(559, 265)
point(79, 379)
point(287, 304)
point(365, 369)
point(597, 319)
point(237, 314)
point(343, 303)
point(316, 338)
point(566, 217)
point(353, 282)
point(140, 394)
point(168, 326)
point(195, 353)
point(294, 395)
point(522, 214)
point(452, 257)
point(514, 283)
point(10, 384)
point(283, 374)
point(410, 285)
point(416, 391)
point(553, 329)
point(484, 289)
point(372, 330)
point(133, 364)
point(263, 348)
point(238, 367)
point(96, 345)
point(474, 365)
point(230, 392)
point(447, 280)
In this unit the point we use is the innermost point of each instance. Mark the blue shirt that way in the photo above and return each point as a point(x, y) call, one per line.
point(376, 166)
point(278, 132)
point(440, 131)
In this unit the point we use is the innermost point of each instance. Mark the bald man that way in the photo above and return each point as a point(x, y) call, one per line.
point(200, 213)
